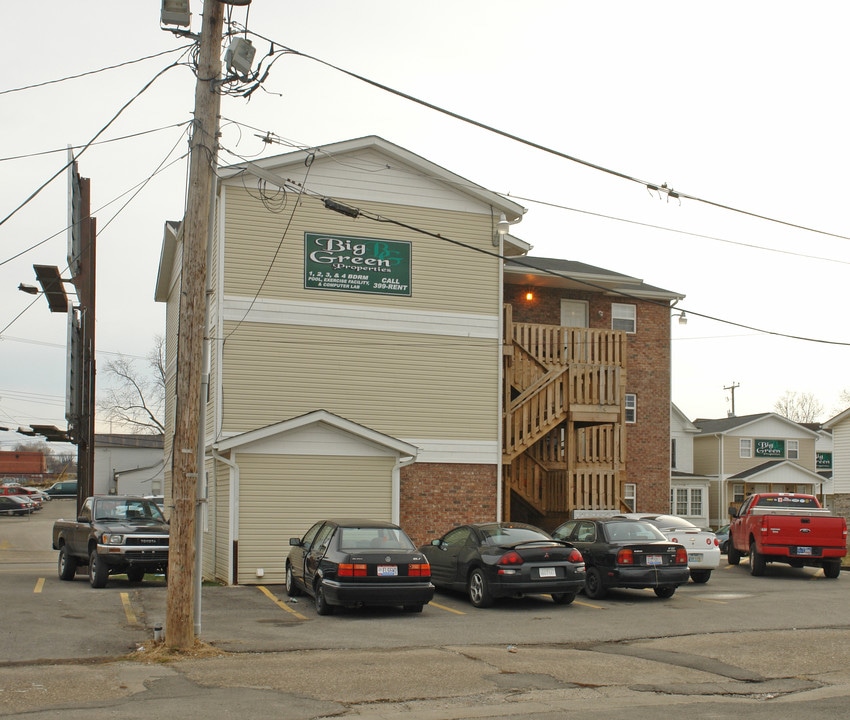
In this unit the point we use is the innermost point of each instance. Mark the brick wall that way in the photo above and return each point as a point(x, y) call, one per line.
point(648, 377)
point(437, 497)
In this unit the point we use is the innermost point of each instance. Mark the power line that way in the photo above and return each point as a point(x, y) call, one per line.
point(659, 187)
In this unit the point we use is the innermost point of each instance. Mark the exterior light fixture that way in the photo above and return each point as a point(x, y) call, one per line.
point(29, 289)
point(529, 295)
point(175, 12)
point(503, 227)
point(683, 319)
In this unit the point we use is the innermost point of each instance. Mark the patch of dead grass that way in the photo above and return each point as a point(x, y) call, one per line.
point(160, 652)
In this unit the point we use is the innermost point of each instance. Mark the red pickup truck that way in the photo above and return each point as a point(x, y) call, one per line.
point(789, 528)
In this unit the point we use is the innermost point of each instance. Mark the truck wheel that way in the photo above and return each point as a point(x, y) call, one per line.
point(67, 564)
point(733, 557)
point(757, 563)
point(135, 574)
point(98, 571)
point(832, 569)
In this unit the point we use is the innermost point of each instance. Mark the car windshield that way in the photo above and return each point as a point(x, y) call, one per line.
point(362, 538)
point(501, 535)
point(128, 510)
point(632, 530)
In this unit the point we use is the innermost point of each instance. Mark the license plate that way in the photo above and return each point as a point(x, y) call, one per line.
point(804, 551)
point(547, 572)
point(386, 570)
point(654, 560)
point(695, 557)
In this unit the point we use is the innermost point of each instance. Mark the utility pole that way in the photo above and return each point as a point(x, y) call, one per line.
point(732, 389)
point(187, 466)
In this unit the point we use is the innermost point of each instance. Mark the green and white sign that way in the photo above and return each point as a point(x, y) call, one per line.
point(824, 460)
point(344, 263)
point(770, 448)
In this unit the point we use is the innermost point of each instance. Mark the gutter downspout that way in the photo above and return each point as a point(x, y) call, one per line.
point(234, 506)
point(724, 491)
point(396, 479)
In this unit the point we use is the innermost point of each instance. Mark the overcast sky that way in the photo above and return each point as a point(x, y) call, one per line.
point(733, 104)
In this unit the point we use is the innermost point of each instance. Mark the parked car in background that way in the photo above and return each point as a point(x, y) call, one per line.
point(40, 494)
point(19, 491)
point(624, 553)
point(353, 562)
point(494, 560)
point(62, 489)
point(702, 545)
point(16, 505)
point(723, 538)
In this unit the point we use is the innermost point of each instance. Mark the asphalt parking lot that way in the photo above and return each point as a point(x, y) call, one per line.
point(732, 634)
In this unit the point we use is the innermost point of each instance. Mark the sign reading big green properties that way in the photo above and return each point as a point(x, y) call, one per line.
point(356, 264)
point(770, 448)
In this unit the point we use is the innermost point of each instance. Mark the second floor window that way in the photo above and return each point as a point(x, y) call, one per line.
point(624, 317)
point(673, 453)
point(631, 408)
point(793, 452)
point(746, 448)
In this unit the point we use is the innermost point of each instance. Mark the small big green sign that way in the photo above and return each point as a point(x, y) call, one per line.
point(356, 264)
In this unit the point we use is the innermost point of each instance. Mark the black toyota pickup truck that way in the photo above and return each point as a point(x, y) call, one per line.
point(113, 534)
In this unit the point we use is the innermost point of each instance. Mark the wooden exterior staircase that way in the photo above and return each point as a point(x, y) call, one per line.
point(563, 438)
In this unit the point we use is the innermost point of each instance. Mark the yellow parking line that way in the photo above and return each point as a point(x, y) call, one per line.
point(279, 603)
point(39, 585)
point(446, 608)
point(586, 604)
point(128, 608)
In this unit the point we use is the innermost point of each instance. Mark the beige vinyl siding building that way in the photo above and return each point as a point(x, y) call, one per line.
point(347, 401)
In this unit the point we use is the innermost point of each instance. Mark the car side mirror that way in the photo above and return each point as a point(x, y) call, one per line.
point(436, 543)
point(295, 542)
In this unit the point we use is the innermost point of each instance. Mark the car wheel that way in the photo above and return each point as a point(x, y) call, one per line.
point(412, 608)
point(700, 576)
point(667, 591)
point(733, 557)
point(832, 569)
point(323, 607)
point(479, 593)
point(563, 598)
point(135, 574)
point(98, 571)
point(757, 563)
point(291, 588)
point(593, 587)
point(67, 564)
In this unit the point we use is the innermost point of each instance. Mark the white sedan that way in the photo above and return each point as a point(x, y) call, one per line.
point(702, 545)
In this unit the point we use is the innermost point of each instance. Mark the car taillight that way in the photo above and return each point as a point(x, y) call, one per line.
point(511, 558)
point(681, 556)
point(419, 570)
point(716, 542)
point(575, 556)
point(352, 570)
point(626, 556)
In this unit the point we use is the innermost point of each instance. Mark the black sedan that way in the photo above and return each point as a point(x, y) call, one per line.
point(15, 505)
point(624, 553)
point(492, 560)
point(354, 563)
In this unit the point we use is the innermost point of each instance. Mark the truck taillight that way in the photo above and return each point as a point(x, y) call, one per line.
point(352, 570)
point(626, 556)
point(419, 570)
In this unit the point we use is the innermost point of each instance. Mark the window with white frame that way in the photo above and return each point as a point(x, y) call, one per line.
point(631, 408)
point(630, 495)
point(624, 317)
point(738, 493)
point(673, 453)
point(792, 449)
point(746, 445)
point(686, 501)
